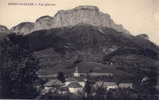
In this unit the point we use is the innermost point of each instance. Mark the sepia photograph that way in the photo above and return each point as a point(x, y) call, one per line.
point(79, 49)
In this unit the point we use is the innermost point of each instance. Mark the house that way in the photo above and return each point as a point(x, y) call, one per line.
point(107, 85)
point(75, 88)
point(80, 80)
point(52, 86)
point(53, 83)
point(100, 74)
point(63, 90)
point(112, 85)
point(126, 85)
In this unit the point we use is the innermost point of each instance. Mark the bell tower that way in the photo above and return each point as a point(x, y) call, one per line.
point(76, 73)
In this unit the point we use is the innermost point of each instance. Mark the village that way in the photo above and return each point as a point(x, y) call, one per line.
point(77, 82)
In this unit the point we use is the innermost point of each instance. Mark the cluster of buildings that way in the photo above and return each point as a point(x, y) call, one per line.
point(75, 84)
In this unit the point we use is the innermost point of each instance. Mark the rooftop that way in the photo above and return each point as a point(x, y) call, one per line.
point(74, 85)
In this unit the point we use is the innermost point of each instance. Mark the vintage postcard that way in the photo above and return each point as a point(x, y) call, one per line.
point(79, 49)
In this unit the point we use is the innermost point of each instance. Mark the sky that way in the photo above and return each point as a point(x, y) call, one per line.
point(137, 16)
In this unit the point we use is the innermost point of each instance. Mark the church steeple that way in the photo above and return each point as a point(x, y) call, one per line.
point(76, 73)
point(76, 69)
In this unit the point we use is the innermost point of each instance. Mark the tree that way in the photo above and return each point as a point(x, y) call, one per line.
point(61, 77)
point(87, 88)
point(18, 68)
point(88, 85)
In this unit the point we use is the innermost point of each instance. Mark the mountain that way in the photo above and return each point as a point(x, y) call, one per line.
point(80, 15)
point(3, 28)
point(86, 37)
point(144, 36)
point(59, 48)
point(23, 28)
point(3, 31)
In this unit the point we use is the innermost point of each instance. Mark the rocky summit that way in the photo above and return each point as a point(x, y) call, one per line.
point(82, 14)
point(3, 31)
point(23, 28)
point(63, 18)
point(3, 28)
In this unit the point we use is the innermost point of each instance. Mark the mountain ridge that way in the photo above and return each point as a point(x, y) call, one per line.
point(59, 48)
point(58, 42)
point(63, 18)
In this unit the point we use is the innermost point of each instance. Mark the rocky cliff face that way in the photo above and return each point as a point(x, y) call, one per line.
point(3, 29)
point(79, 15)
point(82, 14)
point(23, 28)
point(143, 36)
